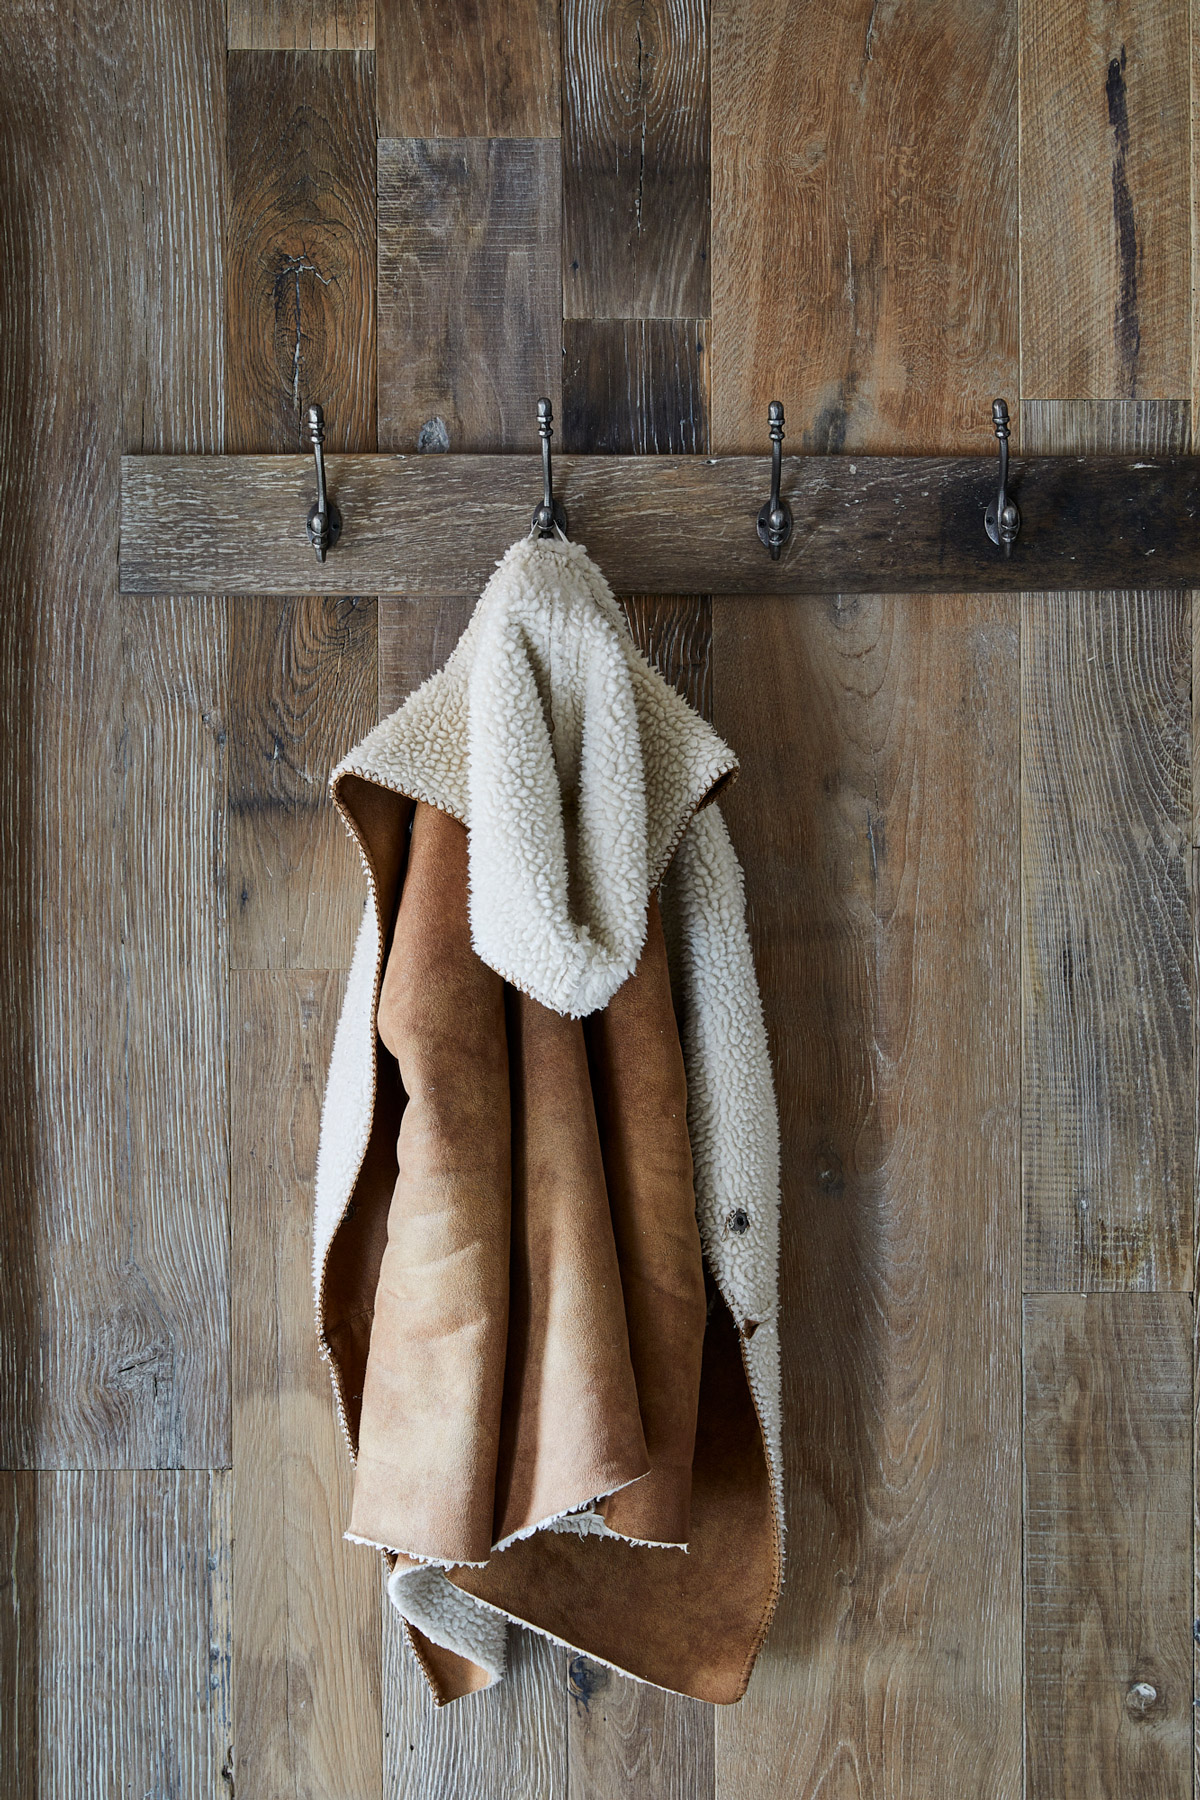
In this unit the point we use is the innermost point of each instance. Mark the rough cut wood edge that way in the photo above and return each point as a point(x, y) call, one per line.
point(422, 525)
point(1108, 1502)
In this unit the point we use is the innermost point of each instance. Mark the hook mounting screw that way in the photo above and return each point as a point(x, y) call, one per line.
point(1002, 521)
point(775, 518)
point(550, 518)
point(324, 520)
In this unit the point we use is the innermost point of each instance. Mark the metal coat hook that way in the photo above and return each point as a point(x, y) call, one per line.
point(324, 519)
point(775, 518)
point(550, 518)
point(1002, 521)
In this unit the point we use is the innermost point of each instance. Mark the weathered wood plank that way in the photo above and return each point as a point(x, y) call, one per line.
point(306, 1603)
point(664, 524)
point(301, 24)
point(635, 387)
point(1108, 1454)
point(414, 640)
point(117, 1599)
point(626, 1738)
point(1105, 427)
point(112, 1259)
point(300, 249)
point(877, 820)
point(864, 222)
point(301, 284)
point(509, 1741)
point(1107, 1120)
point(470, 291)
point(1105, 200)
point(304, 691)
point(635, 159)
point(468, 68)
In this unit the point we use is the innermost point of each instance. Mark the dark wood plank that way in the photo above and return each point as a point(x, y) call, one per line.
point(468, 68)
point(415, 638)
point(304, 690)
point(301, 24)
point(470, 292)
point(1105, 200)
point(301, 285)
point(877, 819)
point(864, 222)
point(1107, 1124)
point(300, 249)
point(635, 387)
point(306, 1602)
point(113, 1275)
point(418, 525)
point(635, 159)
point(1108, 1454)
point(123, 1684)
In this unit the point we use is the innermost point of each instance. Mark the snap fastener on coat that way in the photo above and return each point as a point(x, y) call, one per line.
point(738, 1221)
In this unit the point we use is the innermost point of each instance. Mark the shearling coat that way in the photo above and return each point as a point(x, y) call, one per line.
point(546, 1229)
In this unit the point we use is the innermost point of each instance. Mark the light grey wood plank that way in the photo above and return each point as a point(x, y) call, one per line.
point(1105, 427)
point(1108, 1462)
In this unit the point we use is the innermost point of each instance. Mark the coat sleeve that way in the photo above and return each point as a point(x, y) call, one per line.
point(733, 1122)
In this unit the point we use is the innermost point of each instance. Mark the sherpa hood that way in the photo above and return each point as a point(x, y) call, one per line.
point(574, 766)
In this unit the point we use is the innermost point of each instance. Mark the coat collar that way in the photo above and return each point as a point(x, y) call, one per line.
point(574, 766)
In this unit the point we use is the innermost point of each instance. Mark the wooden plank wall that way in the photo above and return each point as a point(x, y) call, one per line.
point(967, 822)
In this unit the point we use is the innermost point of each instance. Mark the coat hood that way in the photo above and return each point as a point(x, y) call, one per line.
point(574, 766)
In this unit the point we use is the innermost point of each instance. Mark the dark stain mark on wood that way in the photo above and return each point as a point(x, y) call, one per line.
point(1126, 328)
point(585, 1680)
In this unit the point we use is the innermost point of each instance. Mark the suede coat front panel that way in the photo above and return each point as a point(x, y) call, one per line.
point(545, 1247)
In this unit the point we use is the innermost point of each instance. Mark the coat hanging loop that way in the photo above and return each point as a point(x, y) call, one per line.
point(324, 519)
point(775, 518)
point(550, 518)
point(1002, 521)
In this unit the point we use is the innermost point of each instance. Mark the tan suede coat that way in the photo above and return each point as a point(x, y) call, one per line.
point(557, 1415)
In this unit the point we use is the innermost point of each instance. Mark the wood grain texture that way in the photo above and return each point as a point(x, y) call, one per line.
point(877, 820)
point(414, 640)
point(118, 1584)
point(864, 222)
point(1105, 427)
point(300, 249)
point(509, 1741)
point(301, 281)
point(1107, 1117)
point(626, 1738)
point(468, 68)
point(304, 690)
point(306, 1602)
point(1108, 1454)
point(635, 159)
point(1105, 200)
point(301, 24)
point(663, 524)
point(635, 387)
point(470, 292)
point(112, 1248)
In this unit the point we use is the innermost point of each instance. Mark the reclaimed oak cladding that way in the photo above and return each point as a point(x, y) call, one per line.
point(877, 820)
point(1108, 1460)
point(301, 24)
point(864, 254)
point(300, 278)
point(635, 387)
point(1105, 183)
point(113, 1157)
point(470, 292)
point(472, 68)
point(306, 1604)
point(635, 159)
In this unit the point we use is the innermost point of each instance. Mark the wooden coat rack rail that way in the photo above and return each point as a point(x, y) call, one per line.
point(430, 525)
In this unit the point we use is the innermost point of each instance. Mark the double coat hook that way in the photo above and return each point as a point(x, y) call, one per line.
point(324, 520)
point(775, 518)
point(550, 518)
